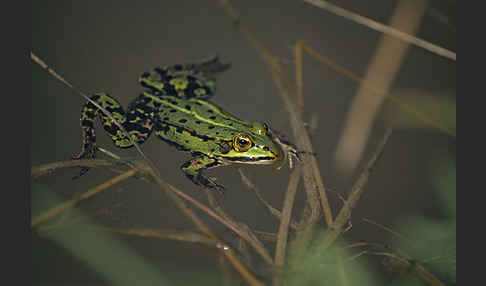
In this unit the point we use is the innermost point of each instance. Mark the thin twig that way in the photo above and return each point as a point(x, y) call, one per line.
point(311, 175)
point(283, 229)
point(396, 260)
point(385, 228)
point(353, 198)
point(300, 251)
point(380, 73)
point(374, 91)
point(299, 75)
point(42, 170)
point(166, 234)
point(229, 253)
point(266, 236)
point(68, 204)
point(345, 213)
point(274, 211)
point(244, 249)
point(390, 31)
point(48, 168)
point(366, 244)
point(245, 232)
point(226, 277)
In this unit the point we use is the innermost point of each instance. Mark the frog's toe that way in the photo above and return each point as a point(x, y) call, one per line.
point(212, 66)
point(88, 152)
point(219, 188)
point(209, 184)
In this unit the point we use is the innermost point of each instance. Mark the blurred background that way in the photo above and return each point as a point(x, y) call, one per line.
point(103, 46)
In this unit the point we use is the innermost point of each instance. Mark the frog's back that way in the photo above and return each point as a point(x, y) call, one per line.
point(193, 125)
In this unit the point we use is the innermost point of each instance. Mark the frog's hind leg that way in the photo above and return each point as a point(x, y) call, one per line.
point(190, 80)
point(137, 121)
point(207, 68)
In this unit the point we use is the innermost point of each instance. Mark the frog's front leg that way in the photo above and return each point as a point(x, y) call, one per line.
point(194, 167)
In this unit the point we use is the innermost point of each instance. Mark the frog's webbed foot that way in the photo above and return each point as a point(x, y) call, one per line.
point(208, 183)
point(292, 153)
point(193, 171)
point(290, 150)
point(211, 66)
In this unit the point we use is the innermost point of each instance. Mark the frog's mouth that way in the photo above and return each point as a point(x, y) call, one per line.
point(257, 158)
point(266, 160)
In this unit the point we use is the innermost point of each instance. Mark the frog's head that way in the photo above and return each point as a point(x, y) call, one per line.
point(254, 147)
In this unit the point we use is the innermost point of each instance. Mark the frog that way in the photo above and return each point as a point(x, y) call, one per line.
point(175, 107)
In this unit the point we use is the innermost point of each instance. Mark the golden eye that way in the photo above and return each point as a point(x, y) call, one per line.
point(242, 143)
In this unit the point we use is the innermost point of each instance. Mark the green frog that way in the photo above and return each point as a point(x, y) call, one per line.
point(175, 107)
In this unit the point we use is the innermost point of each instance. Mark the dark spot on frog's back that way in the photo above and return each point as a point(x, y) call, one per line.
point(183, 120)
point(131, 116)
point(111, 129)
point(188, 107)
point(173, 110)
point(87, 123)
point(90, 104)
point(179, 129)
point(90, 115)
point(224, 148)
point(210, 127)
point(191, 79)
point(169, 89)
point(136, 126)
point(210, 111)
point(212, 117)
point(161, 72)
point(162, 128)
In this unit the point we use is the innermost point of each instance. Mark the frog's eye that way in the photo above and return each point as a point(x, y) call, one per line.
point(242, 143)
